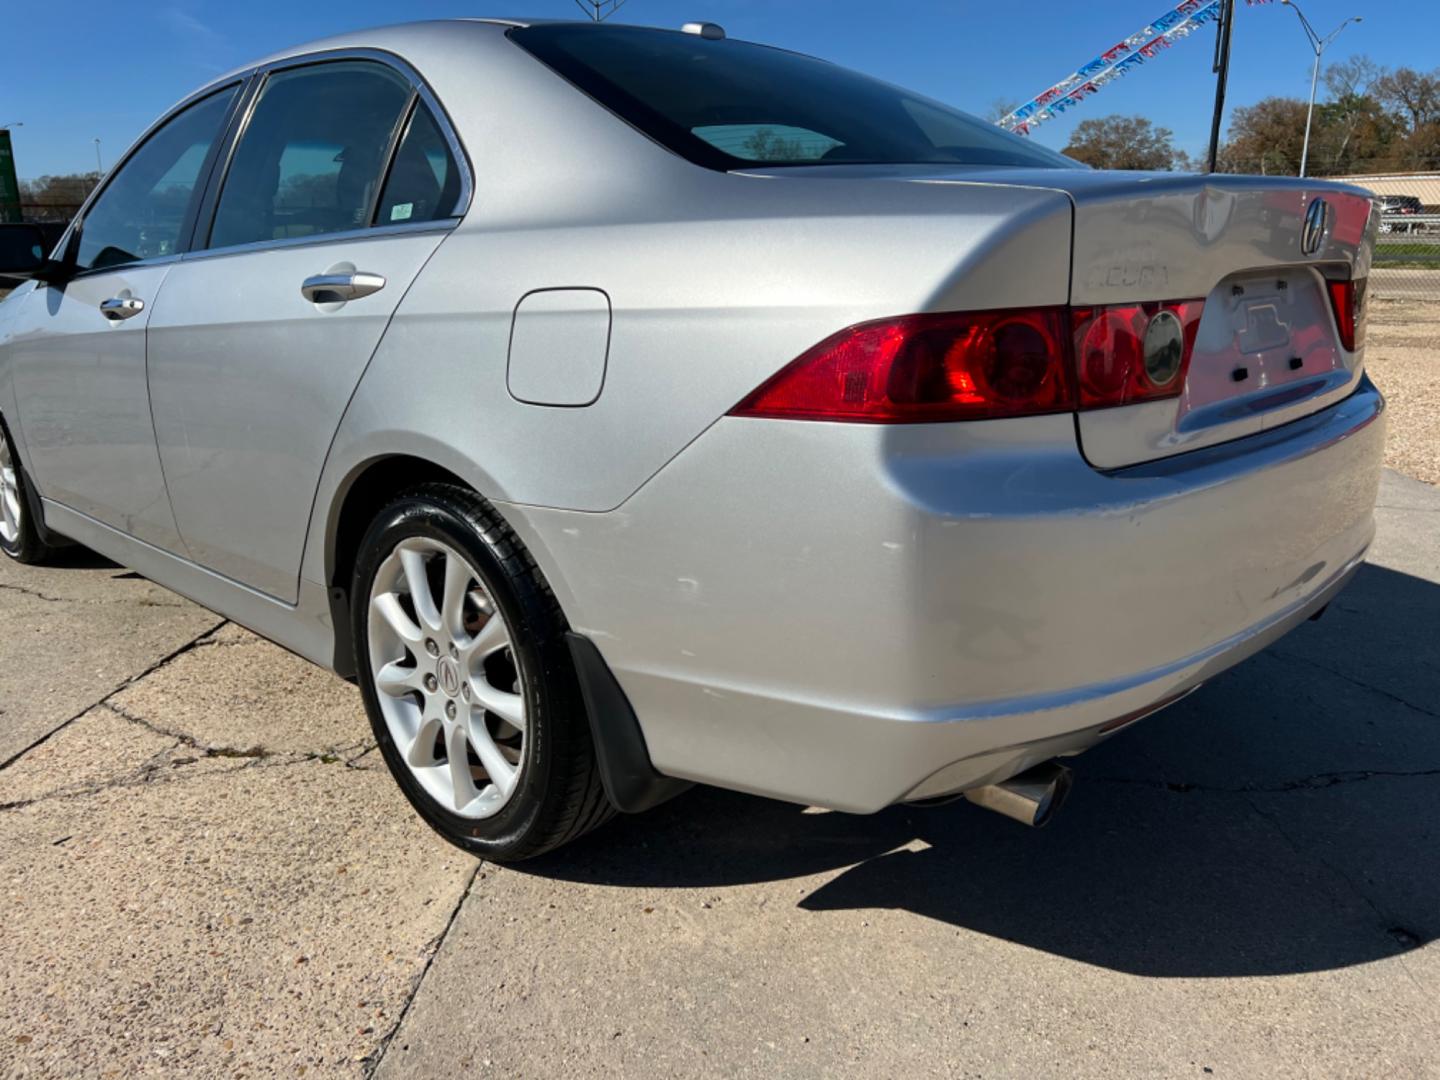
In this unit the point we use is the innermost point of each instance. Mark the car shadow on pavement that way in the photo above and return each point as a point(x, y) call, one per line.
point(79, 557)
point(1283, 819)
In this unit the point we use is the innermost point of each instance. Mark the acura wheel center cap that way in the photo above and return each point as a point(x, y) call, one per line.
point(449, 676)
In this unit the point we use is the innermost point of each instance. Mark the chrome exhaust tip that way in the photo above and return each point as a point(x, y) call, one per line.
point(1030, 797)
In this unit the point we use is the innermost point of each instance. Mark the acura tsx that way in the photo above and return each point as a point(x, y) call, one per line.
point(625, 408)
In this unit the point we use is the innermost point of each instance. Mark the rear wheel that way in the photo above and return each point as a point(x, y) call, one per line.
point(19, 532)
point(463, 665)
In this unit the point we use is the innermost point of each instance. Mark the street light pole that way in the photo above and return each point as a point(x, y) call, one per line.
point(1319, 44)
point(101, 168)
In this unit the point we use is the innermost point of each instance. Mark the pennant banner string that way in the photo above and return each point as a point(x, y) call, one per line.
point(1119, 60)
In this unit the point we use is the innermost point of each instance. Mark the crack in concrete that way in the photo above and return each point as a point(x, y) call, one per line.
point(38, 595)
point(204, 749)
point(1278, 654)
point(1387, 922)
point(328, 756)
point(155, 767)
point(350, 763)
point(7, 587)
point(149, 771)
point(374, 1060)
point(156, 666)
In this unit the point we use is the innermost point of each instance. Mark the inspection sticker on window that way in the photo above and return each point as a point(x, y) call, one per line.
point(401, 211)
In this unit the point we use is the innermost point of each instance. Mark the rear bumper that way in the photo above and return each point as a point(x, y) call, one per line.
point(850, 616)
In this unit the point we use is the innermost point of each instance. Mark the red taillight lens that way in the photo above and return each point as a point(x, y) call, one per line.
point(986, 365)
point(1126, 353)
point(970, 366)
point(1348, 300)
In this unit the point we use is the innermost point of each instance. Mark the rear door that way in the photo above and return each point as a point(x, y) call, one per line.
point(341, 184)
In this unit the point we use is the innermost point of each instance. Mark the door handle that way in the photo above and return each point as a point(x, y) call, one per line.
point(337, 288)
point(121, 307)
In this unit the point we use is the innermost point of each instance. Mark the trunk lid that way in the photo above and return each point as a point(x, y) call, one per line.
point(1268, 349)
point(1240, 244)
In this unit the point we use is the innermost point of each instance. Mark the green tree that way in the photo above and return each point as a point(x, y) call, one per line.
point(1124, 142)
point(55, 198)
point(1265, 138)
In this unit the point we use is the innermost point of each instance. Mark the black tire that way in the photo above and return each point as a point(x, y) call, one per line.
point(27, 546)
point(560, 795)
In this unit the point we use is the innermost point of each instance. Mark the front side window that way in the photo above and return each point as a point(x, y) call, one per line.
point(141, 212)
point(728, 104)
point(310, 159)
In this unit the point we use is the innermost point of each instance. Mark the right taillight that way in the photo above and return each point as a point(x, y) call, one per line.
point(1348, 300)
point(1126, 353)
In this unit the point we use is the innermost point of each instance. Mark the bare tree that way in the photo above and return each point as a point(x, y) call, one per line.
point(599, 10)
point(1413, 94)
point(1353, 77)
point(1000, 108)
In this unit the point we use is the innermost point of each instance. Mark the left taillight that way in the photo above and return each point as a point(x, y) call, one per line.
point(986, 365)
point(917, 368)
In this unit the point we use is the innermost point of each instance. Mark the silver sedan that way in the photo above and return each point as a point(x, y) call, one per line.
point(626, 408)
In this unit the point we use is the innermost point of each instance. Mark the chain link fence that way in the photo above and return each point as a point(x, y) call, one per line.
point(1407, 253)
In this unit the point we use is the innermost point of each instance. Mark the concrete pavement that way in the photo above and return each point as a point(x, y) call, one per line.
point(204, 870)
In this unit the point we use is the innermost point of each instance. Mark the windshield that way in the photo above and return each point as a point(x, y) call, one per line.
point(729, 105)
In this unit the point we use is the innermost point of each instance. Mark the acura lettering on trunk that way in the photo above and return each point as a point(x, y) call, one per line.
point(626, 408)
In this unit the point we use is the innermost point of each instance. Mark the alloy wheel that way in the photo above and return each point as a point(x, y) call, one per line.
point(11, 508)
point(447, 678)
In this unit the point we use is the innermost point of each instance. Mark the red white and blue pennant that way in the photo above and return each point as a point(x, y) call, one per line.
point(1115, 62)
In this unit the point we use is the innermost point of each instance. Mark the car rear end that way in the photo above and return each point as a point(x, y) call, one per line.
point(937, 549)
point(956, 536)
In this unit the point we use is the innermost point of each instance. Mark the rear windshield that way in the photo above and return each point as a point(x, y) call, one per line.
point(730, 105)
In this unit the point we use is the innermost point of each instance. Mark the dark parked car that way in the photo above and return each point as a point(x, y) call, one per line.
point(1394, 209)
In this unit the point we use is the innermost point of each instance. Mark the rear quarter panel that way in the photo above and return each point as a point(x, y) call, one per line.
point(715, 282)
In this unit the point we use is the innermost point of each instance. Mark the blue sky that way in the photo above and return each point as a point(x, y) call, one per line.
point(72, 71)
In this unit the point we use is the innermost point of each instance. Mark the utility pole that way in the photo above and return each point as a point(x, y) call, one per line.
point(599, 10)
point(1221, 67)
point(9, 183)
point(1319, 44)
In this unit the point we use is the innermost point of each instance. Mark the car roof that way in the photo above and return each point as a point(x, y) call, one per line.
point(410, 38)
point(396, 37)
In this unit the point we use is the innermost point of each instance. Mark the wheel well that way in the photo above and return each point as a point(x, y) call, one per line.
point(368, 492)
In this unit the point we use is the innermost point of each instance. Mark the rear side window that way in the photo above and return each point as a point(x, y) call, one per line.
point(727, 104)
point(310, 159)
point(424, 181)
point(141, 212)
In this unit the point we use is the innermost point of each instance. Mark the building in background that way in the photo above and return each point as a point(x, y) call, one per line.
point(1422, 186)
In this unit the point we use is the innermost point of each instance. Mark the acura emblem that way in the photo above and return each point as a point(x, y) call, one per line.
point(449, 677)
point(1312, 233)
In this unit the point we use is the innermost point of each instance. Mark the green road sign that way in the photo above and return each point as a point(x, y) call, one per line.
point(9, 185)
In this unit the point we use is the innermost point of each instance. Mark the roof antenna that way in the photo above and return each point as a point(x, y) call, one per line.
point(599, 10)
